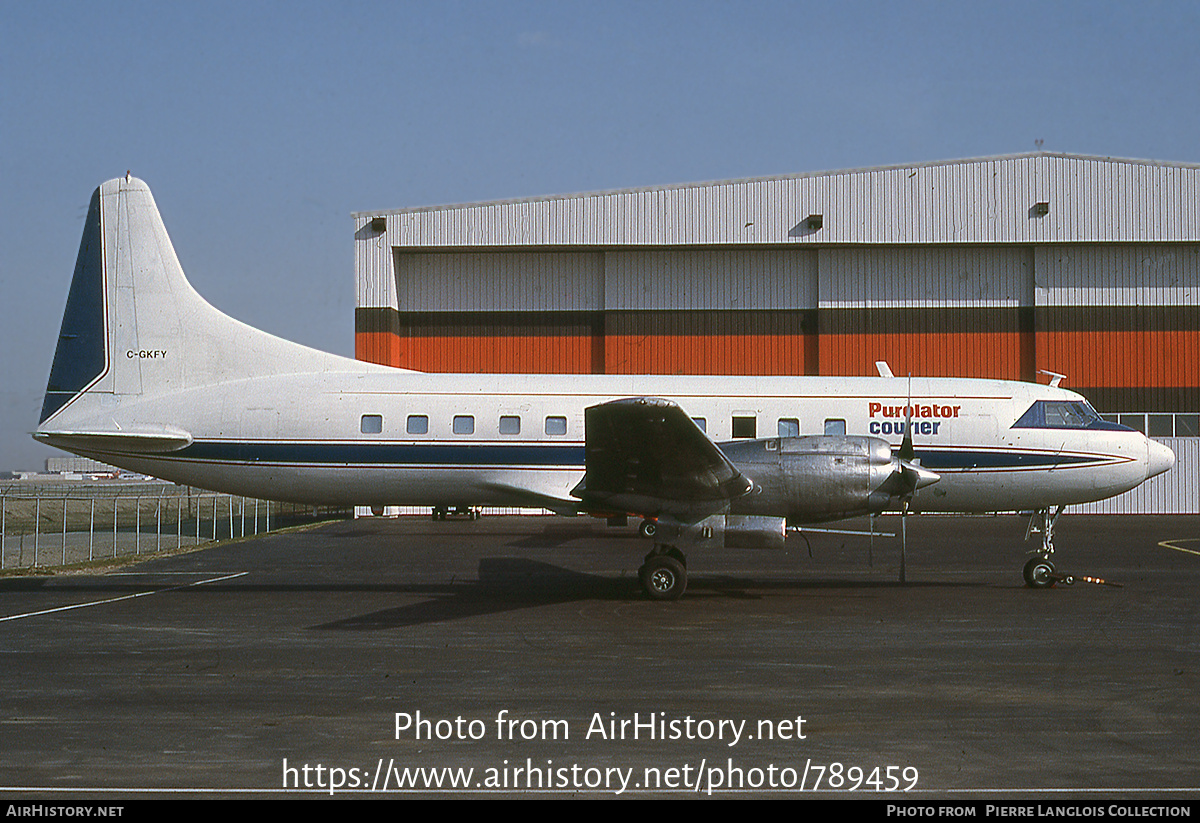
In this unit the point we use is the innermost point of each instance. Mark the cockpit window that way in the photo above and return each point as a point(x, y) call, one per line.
point(1064, 414)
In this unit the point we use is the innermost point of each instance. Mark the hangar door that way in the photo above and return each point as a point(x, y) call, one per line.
point(617, 311)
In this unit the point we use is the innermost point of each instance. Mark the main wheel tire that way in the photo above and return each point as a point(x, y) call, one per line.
point(664, 578)
point(1037, 573)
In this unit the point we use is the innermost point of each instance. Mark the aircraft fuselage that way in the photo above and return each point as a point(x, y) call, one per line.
point(450, 439)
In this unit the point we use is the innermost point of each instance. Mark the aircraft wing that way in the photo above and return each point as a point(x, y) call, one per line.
point(525, 497)
point(644, 455)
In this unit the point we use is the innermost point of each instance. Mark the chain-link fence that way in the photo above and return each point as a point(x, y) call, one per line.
point(52, 525)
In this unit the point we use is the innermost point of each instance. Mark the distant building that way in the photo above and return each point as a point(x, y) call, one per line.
point(992, 267)
point(78, 465)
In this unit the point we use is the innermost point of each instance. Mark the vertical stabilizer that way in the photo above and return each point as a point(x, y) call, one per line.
point(80, 358)
point(134, 327)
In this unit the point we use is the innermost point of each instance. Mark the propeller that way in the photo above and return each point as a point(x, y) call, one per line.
point(907, 477)
point(907, 474)
point(906, 457)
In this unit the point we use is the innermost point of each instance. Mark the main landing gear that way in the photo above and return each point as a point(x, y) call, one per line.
point(664, 572)
point(442, 512)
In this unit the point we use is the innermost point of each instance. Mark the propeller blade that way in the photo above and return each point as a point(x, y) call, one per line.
point(913, 477)
point(906, 445)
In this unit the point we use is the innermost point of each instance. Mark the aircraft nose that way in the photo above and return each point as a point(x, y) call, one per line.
point(1160, 458)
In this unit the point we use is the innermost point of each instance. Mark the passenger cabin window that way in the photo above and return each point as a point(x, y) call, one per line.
point(789, 427)
point(464, 424)
point(835, 428)
point(556, 425)
point(510, 424)
point(745, 427)
point(417, 424)
point(701, 424)
point(371, 424)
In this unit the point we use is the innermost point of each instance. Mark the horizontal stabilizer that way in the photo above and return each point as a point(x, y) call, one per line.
point(152, 442)
point(645, 455)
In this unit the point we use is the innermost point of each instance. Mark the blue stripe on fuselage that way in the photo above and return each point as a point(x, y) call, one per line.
point(420, 454)
point(938, 460)
point(449, 455)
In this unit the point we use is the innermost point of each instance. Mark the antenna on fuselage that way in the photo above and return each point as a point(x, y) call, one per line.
point(1055, 377)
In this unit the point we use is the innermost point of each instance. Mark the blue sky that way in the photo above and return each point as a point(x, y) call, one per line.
point(261, 126)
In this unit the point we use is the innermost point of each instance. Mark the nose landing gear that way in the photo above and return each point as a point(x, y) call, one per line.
point(1039, 571)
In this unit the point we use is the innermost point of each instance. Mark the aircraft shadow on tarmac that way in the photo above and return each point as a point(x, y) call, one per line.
point(510, 584)
point(553, 537)
point(550, 536)
point(504, 584)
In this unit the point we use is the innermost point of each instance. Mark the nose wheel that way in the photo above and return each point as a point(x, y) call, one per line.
point(1038, 573)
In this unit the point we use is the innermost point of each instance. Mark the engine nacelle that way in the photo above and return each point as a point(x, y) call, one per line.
point(836, 476)
point(822, 477)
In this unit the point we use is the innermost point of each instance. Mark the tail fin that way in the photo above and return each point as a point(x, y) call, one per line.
point(134, 326)
point(80, 358)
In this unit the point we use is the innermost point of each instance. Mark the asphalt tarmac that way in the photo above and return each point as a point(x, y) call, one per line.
point(517, 655)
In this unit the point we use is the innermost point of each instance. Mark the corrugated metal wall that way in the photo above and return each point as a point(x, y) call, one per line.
point(986, 200)
point(943, 268)
point(710, 311)
point(499, 281)
point(1122, 322)
point(717, 279)
point(1176, 492)
point(939, 311)
point(630, 312)
point(500, 342)
point(710, 342)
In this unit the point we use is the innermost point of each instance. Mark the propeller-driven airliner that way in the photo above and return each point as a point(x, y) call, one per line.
point(150, 377)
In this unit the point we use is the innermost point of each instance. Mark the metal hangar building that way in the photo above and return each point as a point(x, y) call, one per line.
point(991, 267)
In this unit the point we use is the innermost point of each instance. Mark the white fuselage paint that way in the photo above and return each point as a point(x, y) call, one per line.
point(298, 437)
